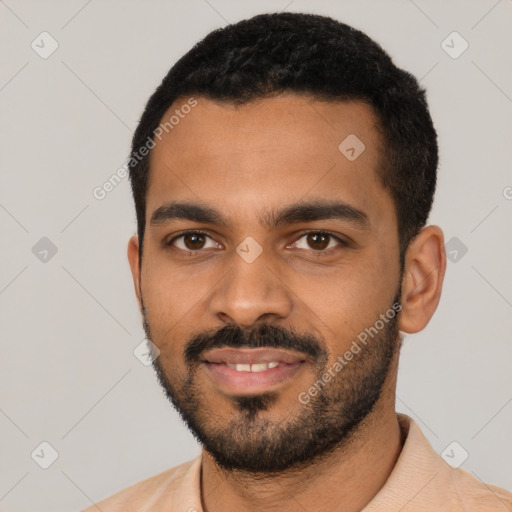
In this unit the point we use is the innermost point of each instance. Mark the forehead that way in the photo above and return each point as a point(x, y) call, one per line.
point(268, 152)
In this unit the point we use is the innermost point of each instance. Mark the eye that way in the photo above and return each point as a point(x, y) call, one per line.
point(192, 241)
point(318, 241)
point(195, 241)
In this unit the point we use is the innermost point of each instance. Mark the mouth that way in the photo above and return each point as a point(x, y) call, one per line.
point(251, 371)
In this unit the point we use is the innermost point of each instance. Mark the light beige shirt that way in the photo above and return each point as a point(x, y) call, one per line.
point(421, 481)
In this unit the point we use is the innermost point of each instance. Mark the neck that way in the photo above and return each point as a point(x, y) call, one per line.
point(347, 479)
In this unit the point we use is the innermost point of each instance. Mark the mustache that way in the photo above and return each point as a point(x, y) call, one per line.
point(261, 335)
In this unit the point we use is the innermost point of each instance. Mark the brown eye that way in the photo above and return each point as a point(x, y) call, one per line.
point(194, 241)
point(318, 241)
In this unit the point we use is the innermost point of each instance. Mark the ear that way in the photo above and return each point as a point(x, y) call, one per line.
point(425, 265)
point(134, 260)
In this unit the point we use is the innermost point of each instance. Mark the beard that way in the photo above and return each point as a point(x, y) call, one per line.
point(252, 443)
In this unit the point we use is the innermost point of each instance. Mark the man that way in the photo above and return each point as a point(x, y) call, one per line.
point(283, 174)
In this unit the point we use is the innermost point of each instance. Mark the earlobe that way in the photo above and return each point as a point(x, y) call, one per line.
point(134, 260)
point(425, 265)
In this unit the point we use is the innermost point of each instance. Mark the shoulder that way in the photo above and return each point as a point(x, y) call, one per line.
point(422, 480)
point(475, 495)
point(155, 493)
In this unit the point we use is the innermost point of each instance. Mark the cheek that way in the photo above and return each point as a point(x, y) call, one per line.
point(175, 310)
point(171, 296)
point(165, 315)
point(349, 300)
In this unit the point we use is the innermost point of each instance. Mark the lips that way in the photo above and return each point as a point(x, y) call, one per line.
point(251, 370)
point(251, 356)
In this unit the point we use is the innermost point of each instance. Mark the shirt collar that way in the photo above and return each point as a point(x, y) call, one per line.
point(420, 479)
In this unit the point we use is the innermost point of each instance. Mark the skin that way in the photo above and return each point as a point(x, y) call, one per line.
point(246, 161)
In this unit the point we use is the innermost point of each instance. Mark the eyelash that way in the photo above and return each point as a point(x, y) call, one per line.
point(341, 242)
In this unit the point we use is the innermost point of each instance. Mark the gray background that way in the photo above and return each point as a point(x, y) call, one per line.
point(70, 324)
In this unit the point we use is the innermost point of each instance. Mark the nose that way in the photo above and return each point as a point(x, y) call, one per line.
point(251, 292)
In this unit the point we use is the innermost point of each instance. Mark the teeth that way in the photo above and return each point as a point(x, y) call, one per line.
point(256, 367)
point(261, 367)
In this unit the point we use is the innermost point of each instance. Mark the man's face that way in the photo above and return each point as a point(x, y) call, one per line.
point(301, 287)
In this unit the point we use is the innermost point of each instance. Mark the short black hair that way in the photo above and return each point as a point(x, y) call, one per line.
point(308, 54)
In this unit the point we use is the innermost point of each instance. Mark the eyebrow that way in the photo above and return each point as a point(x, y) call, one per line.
point(291, 214)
